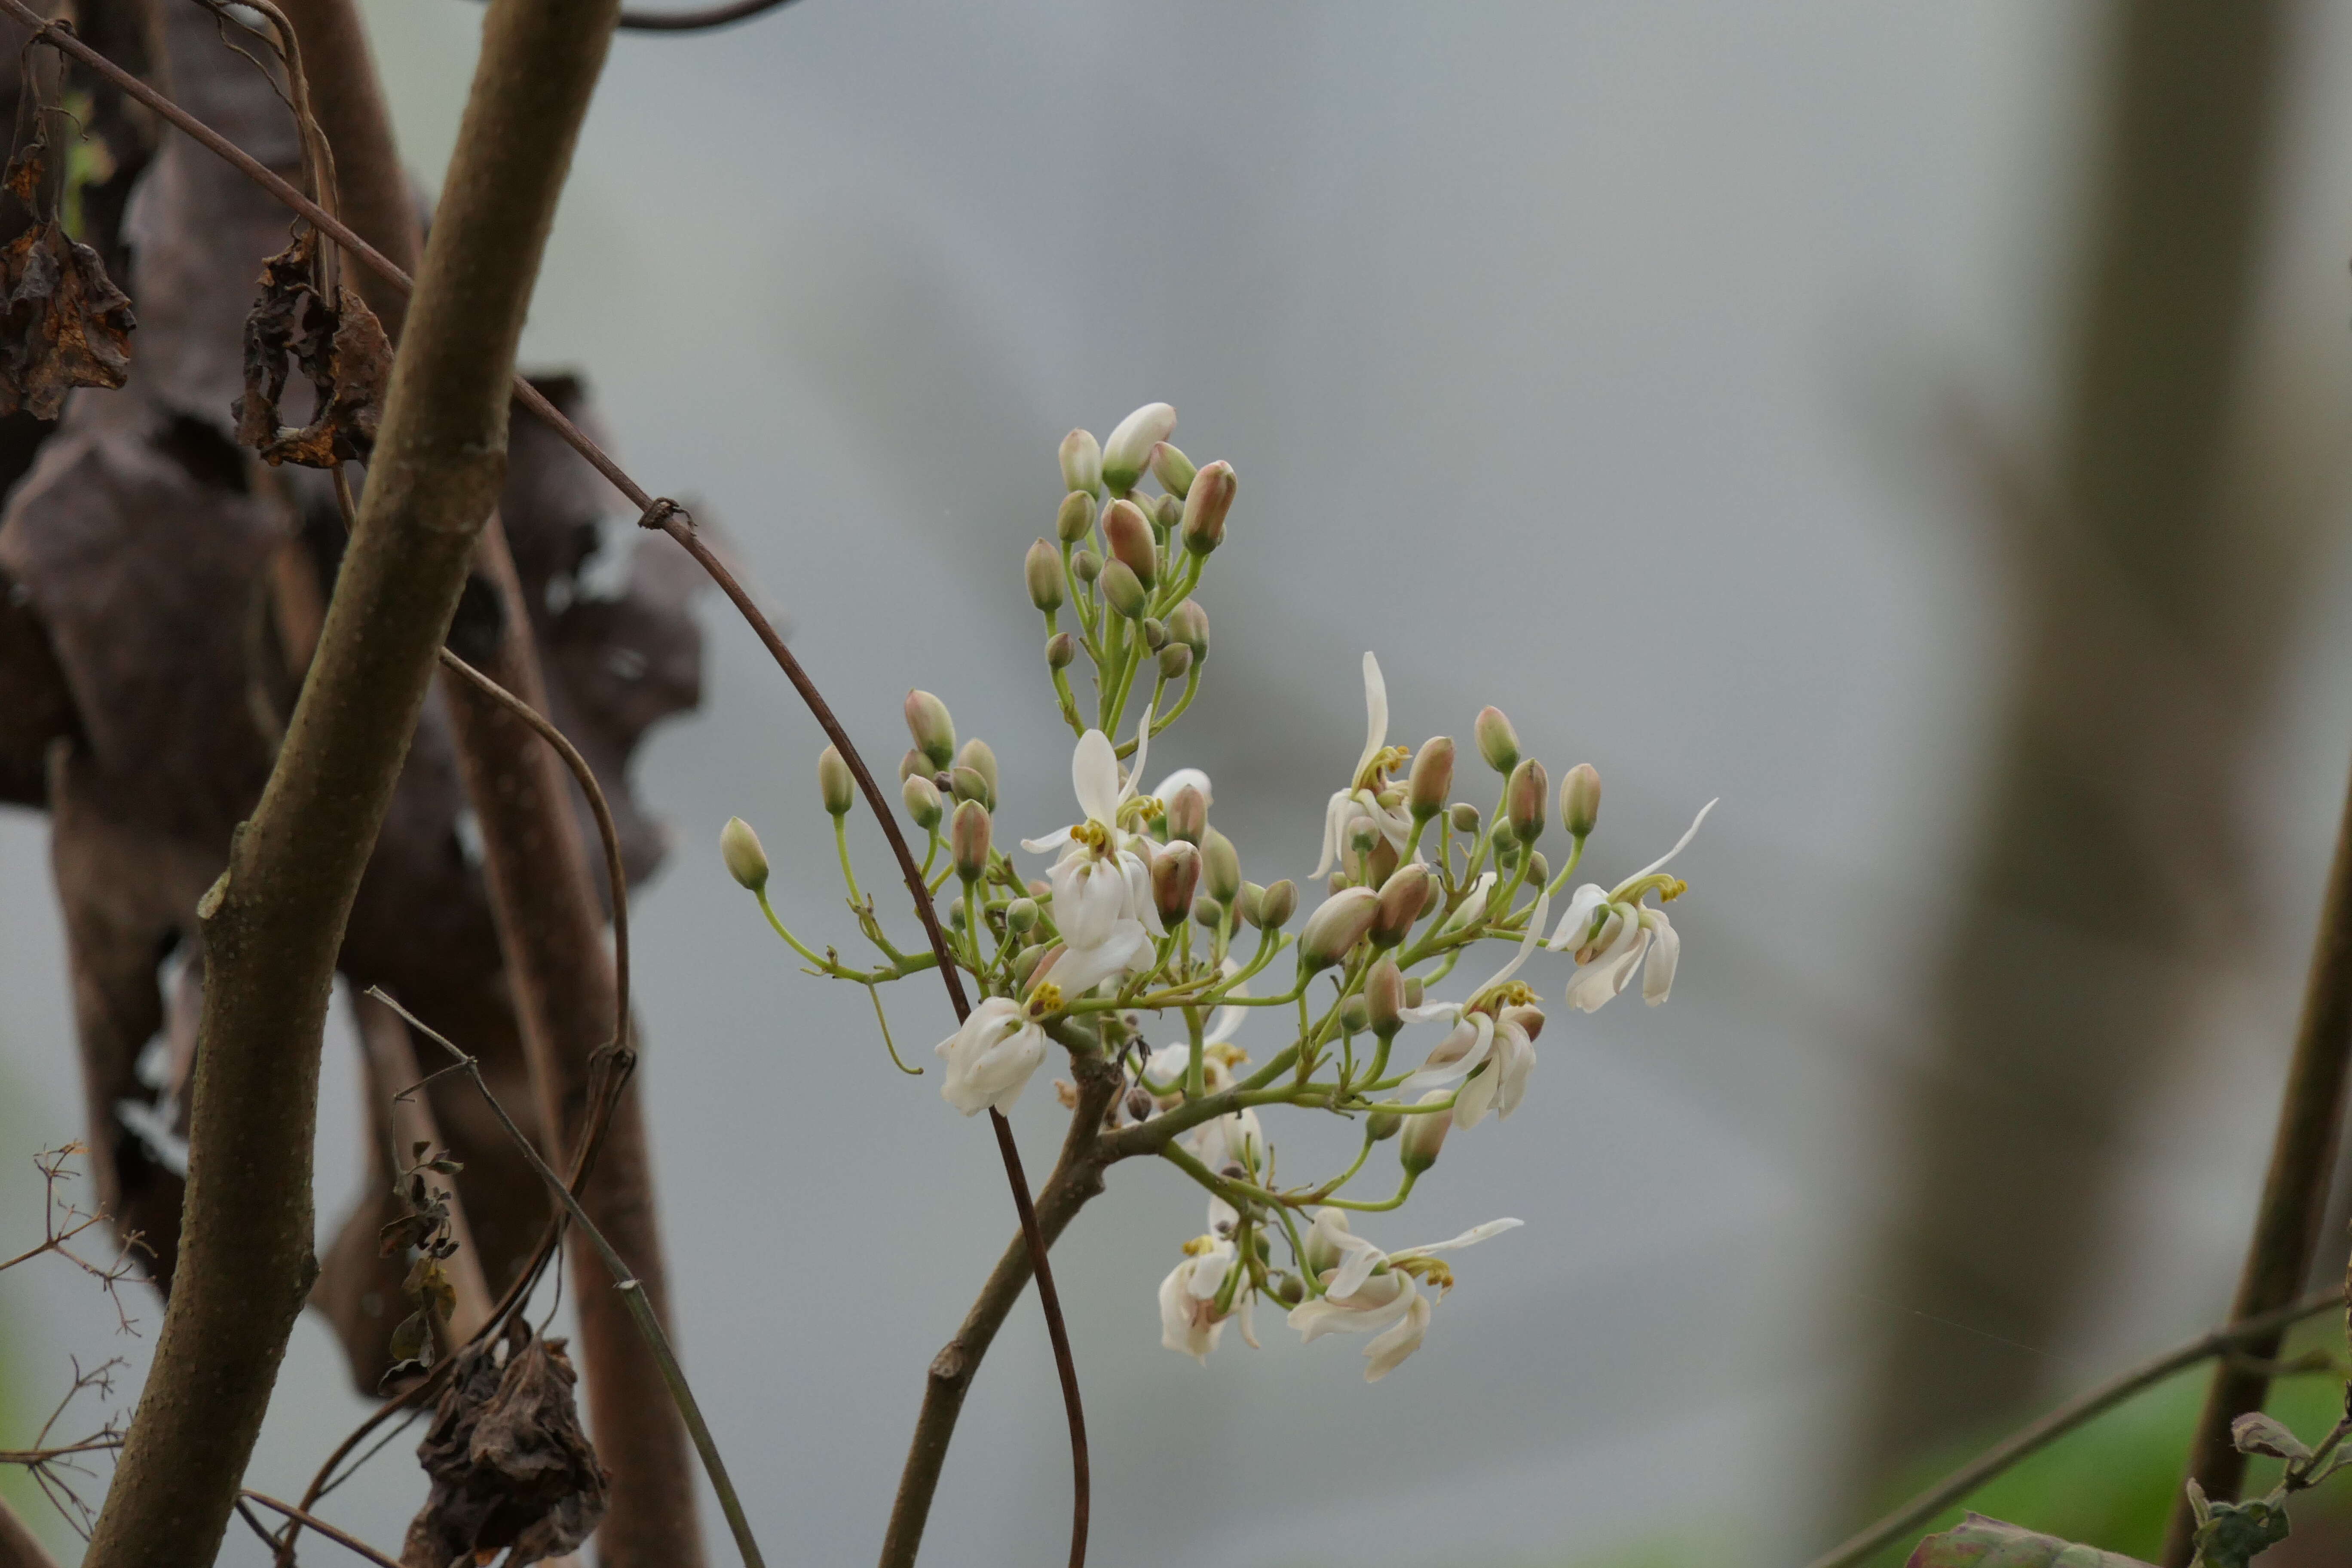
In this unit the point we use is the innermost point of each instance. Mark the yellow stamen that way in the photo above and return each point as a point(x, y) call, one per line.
point(1200, 1247)
point(1046, 1001)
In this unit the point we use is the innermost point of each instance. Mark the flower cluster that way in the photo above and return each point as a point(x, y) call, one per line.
point(1135, 921)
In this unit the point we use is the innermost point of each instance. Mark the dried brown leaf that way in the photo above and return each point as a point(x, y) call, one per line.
point(63, 323)
point(341, 350)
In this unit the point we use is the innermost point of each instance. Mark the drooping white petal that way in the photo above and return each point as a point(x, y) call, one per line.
point(1168, 786)
point(989, 1057)
point(1459, 1053)
point(1337, 814)
point(1527, 945)
point(1142, 750)
point(1680, 844)
point(1471, 907)
point(1093, 777)
point(1596, 983)
point(1376, 715)
point(1514, 1063)
point(1357, 1259)
point(1471, 1238)
point(1140, 905)
point(1383, 1355)
point(1384, 1299)
point(1665, 951)
point(1583, 905)
point(1475, 1098)
point(1058, 838)
point(1208, 1273)
point(1241, 1316)
point(1080, 969)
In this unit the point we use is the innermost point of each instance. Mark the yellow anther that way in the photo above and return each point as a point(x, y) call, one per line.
point(1673, 888)
point(1517, 993)
point(1225, 1055)
point(1046, 1001)
point(1092, 834)
point(1200, 1246)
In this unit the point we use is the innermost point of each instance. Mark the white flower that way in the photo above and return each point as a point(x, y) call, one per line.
point(1101, 878)
point(1368, 1292)
point(1487, 1033)
point(1362, 798)
point(1167, 1064)
point(991, 1057)
point(1612, 933)
point(1189, 1318)
point(1236, 1139)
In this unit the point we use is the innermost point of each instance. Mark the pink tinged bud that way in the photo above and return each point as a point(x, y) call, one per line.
point(1129, 450)
point(1246, 903)
point(1336, 927)
point(1155, 634)
point(1172, 468)
point(1061, 648)
point(934, 731)
point(1221, 865)
point(1465, 817)
point(1175, 661)
point(1580, 799)
point(1175, 872)
point(739, 849)
point(1122, 589)
point(1277, 905)
point(922, 800)
point(1401, 900)
point(1043, 572)
point(1202, 526)
point(1432, 778)
point(979, 758)
point(1167, 512)
point(1355, 1015)
point(1188, 625)
point(1527, 799)
point(1384, 997)
point(912, 763)
point(833, 782)
point(1128, 533)
point(1082, 463)
point(1188, 814)
point(1425, 1135)
point(1085, 565)
point(1497, 742)
point(968, 837)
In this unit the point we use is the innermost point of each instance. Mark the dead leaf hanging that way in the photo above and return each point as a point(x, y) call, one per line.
point(510, 1467)
point(340, 349)
point(63, 323)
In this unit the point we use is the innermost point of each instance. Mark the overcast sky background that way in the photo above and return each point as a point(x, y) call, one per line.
point(1579, 359)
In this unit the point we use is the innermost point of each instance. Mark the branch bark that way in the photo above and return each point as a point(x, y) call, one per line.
point(19, 1547)
point(274, 922)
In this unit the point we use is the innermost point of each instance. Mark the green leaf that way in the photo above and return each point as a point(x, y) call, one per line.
point(1981, 1542)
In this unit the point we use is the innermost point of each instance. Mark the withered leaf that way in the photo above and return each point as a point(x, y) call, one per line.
point(1980, 1542)
point(63, 323)
point(409, 1230)
point(510, 1467)
point(340, 349)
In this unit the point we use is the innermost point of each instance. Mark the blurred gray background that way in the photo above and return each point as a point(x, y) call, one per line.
point(1654, 372)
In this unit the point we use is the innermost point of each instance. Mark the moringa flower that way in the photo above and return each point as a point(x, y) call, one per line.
point(1368, 1292)
point(1362, 798)
point(1101, 878)
point(1190, 1318)
point(1495, 1029)
point(991, 1057)
point(1612, 933)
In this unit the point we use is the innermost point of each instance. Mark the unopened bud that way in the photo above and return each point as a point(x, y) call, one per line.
point(1538, 868)
point(1128, 533)
point(1580, 799)
point(967, 836)
point(980, 758)
point(934, 731)
point(966, 784)
point(1175, 661)
point(1188, 625)
point(1172, 468)
point(1043, 571)
point(1424, 1134)
point(1210, 496)
point(1175, 872)
point(1465, 817)
point(739, 849)
point(1167, 512)
point(1288, 1289)
point(1384, 996)
point(1355, 1015)
point(1082, 463)
point(1155, 634)
point(1060, 649)
point(1129, 450)
point(1505, 840)
point(1221, 866)
point(1432, 778)
point(1188, 814)
point(1207, 913)
point(834, 783)
point(1383, 1125)
point(1245, 902)
point(1338, 924)
point(1021, 916)
point(1497, 742)
point(1362, 834)
point(1085, 565)
point(1277, 905)
point(1025, 962)
point(1400, 899)
point(1122, 589)
point(1526, 798)
point(922, 800)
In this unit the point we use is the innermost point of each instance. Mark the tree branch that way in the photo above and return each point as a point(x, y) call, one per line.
point(274, 922)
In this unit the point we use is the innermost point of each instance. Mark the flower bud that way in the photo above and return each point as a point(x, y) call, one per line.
point(1465, 817)
point(1172, 468)
point(1400, 899)
point(1424, 1134)
point(1432, 778)
point(1538, 868)
point(1175, 872)
point(934, 731)
point(1207, 502)
point(1025, 963)
point(1155, 634)
point(1060, 649)
point(1221, 866)
point(1275, 905)
point(1085, 565)
point(1207, 913)
point(1188, 625)
point(1526, 800)
point(1383, 1125)
point(1355, 1015)
point(980, 758)
point(1288, 1289)
point(1505, 839)
point(922, 801)
point(1021, 916)
point(1188, 814)
point(1580, 799)
point(1175, 661)
point(834, 783)
point(1166, 512)
point(966, 784)
point(1338, 924)
point(1497, 742)
point(1122, 589)
point(1043, 570)
point(739, 849)
point(1128, 534)
point(1384, 997)
point(1129, 450)
point(1082, 463)
point(967, 836)
point(1413, 990)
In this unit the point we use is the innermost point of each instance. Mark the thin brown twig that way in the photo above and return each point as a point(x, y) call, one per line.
point(310, 1520)
point(696, 21)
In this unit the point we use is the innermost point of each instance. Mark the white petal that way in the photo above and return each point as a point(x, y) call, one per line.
point(1526, 944)
point(1358, 1258)
point(1514, 1062)
point(1383, 1355)
point(1431, 1013)
point(1581, 906)
point(1318, 1316)
point(1057, 840)
point(1471, 907)
point(1178, 780)
point(1471, 1238)
point(1142, 750)
point(1094, 775)
point(1080, 969)
point(1336, 812)
point(1140, 905)
point(1208, 1275)
point(1665, 951)
point(1223, 1217)
point(1464, 1056)
point(1242, 1314)
point(1680, 844)
point(1376, 716)
point(1596, 983)
point(1475, 1099)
